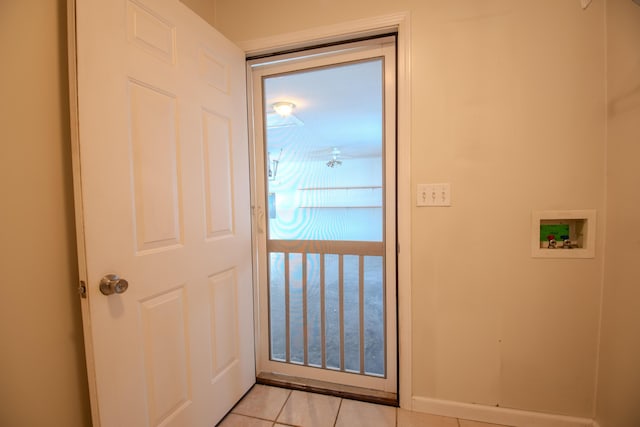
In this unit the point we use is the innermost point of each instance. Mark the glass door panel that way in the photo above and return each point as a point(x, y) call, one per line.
point(328, 182)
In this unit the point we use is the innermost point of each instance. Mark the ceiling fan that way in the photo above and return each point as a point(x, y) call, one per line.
point(334, 162)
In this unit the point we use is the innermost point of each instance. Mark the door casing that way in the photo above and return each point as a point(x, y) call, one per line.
point(400, 23)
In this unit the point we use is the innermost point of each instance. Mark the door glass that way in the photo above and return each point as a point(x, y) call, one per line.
point(325, 223)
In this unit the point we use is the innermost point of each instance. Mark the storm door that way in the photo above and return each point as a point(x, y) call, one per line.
point(325, 214)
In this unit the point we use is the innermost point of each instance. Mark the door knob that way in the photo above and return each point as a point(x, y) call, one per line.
point(112, 284)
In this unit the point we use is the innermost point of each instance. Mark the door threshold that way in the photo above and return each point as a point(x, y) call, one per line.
point(331, 389)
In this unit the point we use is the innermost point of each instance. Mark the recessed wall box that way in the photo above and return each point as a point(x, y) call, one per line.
point(563, 234)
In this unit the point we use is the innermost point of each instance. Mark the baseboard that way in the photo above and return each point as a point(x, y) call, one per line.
point(496, 415)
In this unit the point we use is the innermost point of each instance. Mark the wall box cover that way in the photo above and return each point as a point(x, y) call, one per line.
point(581, 226)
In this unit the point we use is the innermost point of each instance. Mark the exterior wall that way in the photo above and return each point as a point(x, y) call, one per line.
point(619, 373)
point(508, 106)
point(42, 370)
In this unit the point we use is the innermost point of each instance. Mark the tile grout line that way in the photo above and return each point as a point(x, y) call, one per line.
point(247, 416)
point(282, 408)
point(395, 424)
point(274, 422)
point(338, 413)
point(250, 416)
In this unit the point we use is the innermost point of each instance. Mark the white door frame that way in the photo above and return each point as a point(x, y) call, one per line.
point(400, 23)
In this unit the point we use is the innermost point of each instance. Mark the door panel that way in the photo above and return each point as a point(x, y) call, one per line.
point(218, 174)
point(224, 300)
point(154, 162)
point(149, 31)
point(163, 201)
point(164, 334)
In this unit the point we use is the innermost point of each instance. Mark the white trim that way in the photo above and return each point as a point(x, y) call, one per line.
point(399, 22)
point(79, 208)
point(604, 213)
point(405, 378)
point(255, 215)
point(326, 34)
point(495, 415)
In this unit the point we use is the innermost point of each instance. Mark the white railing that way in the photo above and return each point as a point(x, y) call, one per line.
point(301, 249)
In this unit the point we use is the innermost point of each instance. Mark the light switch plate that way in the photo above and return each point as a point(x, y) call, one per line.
point(434, 194)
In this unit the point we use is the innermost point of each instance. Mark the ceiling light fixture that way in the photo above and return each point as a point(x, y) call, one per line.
point(284, 108)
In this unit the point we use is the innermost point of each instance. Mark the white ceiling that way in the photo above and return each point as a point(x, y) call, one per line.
point(340, 107)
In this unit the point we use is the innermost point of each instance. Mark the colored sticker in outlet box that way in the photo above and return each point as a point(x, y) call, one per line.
point(556, 230)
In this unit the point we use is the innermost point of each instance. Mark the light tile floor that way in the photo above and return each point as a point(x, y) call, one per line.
point(266, 406)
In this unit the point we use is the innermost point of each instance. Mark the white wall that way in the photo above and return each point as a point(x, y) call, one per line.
point(42, 371)
point(619, 375)
point(509, 107)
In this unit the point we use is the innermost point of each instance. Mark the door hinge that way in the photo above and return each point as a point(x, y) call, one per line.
point(82, 289)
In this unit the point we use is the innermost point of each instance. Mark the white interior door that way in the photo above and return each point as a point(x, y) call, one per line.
point(162, 189)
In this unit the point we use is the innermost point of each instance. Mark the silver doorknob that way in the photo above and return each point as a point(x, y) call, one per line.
point(112, 284)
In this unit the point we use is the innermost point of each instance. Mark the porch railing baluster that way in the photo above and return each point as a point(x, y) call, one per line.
point(322, 248)
point(287, 317)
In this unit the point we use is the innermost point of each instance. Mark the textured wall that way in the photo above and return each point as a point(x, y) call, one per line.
point(619, 379)
point(42, 371)
point(509, 106)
